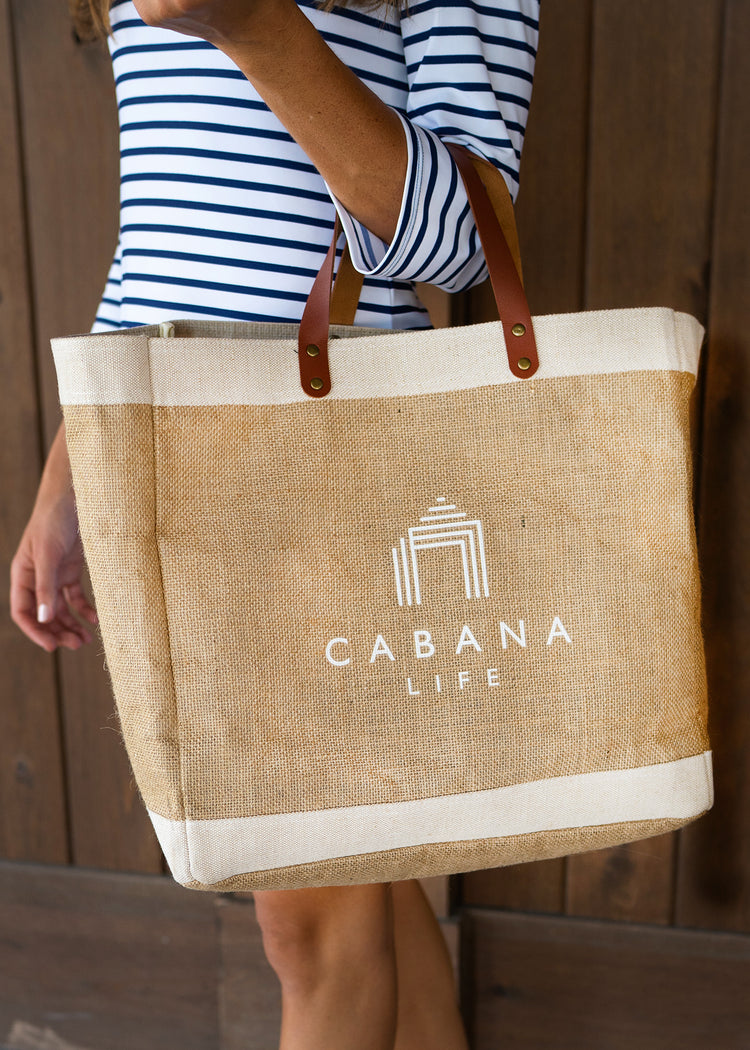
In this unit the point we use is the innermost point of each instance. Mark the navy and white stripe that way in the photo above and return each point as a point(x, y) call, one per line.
point(223, 215)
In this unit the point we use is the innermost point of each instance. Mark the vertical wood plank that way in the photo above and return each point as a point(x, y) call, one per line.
point(631, 883)
point(653, 128)
point(713, 888)
point(71, 163)
point(550, 214)
point(536, 886)
point(71, 167)
point(653, 120)
point(551, 207)
point(438, 891)
point(32, 792)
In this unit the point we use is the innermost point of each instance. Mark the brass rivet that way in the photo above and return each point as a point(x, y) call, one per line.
point(313, 350)
point(524, 363)
point(518, 329)
point(316, 383)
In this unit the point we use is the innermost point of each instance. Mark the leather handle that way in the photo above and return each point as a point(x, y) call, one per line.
point(512, 305)
point(502, 205)
point(347, 289)
point(312, 342)
point(510, 297)
point(322, 309)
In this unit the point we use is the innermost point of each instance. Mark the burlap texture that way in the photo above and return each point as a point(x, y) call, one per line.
point(267, 531)
point(114, 468)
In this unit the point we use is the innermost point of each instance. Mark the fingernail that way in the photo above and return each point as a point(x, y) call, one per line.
point(44, 614)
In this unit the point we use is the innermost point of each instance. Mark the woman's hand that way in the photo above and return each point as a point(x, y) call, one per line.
point(45, 574)
point(220, 21)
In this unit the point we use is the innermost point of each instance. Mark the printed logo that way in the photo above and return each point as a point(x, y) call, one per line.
point(432, 647)
point(445, 526)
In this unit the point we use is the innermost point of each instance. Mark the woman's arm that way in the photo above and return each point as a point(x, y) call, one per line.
point(354, 139)
point(468, 70)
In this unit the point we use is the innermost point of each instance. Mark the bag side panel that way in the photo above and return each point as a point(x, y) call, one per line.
point(112, 460)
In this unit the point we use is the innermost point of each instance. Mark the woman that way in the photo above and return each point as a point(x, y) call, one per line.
point(244, 124)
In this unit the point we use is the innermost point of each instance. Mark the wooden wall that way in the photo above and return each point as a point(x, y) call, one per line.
point(633, 193)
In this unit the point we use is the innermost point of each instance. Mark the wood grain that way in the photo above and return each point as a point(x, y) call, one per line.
point(110, 962)
point(67, 108)
point(551, 204)
point(537, 886)
point(114, 962)
point(713, 887)
point(557, 984)
point(653, 119)
point(33, 823)
point(71, 164)
point(654, 89)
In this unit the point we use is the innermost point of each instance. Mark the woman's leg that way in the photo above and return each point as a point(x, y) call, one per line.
point(333, 952)
point(361, 968)
point(428, 1017)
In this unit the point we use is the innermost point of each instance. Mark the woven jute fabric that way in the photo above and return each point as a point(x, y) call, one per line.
point(371, 600)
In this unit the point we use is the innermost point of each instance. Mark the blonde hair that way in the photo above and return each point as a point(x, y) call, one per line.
point(91, 17)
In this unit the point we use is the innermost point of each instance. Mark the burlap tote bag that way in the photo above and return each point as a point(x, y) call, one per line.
point(427, 608)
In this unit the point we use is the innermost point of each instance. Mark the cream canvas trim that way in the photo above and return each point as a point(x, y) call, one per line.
point(208, 851)
point(135, 367)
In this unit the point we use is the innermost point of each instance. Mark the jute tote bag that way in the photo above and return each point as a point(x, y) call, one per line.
point(429, 606)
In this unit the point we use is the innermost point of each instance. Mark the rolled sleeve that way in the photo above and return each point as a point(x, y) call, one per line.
point(469, 69)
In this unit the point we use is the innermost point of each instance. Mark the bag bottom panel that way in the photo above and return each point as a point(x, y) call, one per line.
point(463, 832)
point(443, 858)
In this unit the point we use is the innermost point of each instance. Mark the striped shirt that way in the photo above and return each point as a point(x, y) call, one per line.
point(223, 215)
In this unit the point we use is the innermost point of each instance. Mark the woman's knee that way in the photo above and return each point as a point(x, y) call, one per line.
point(311, 935)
